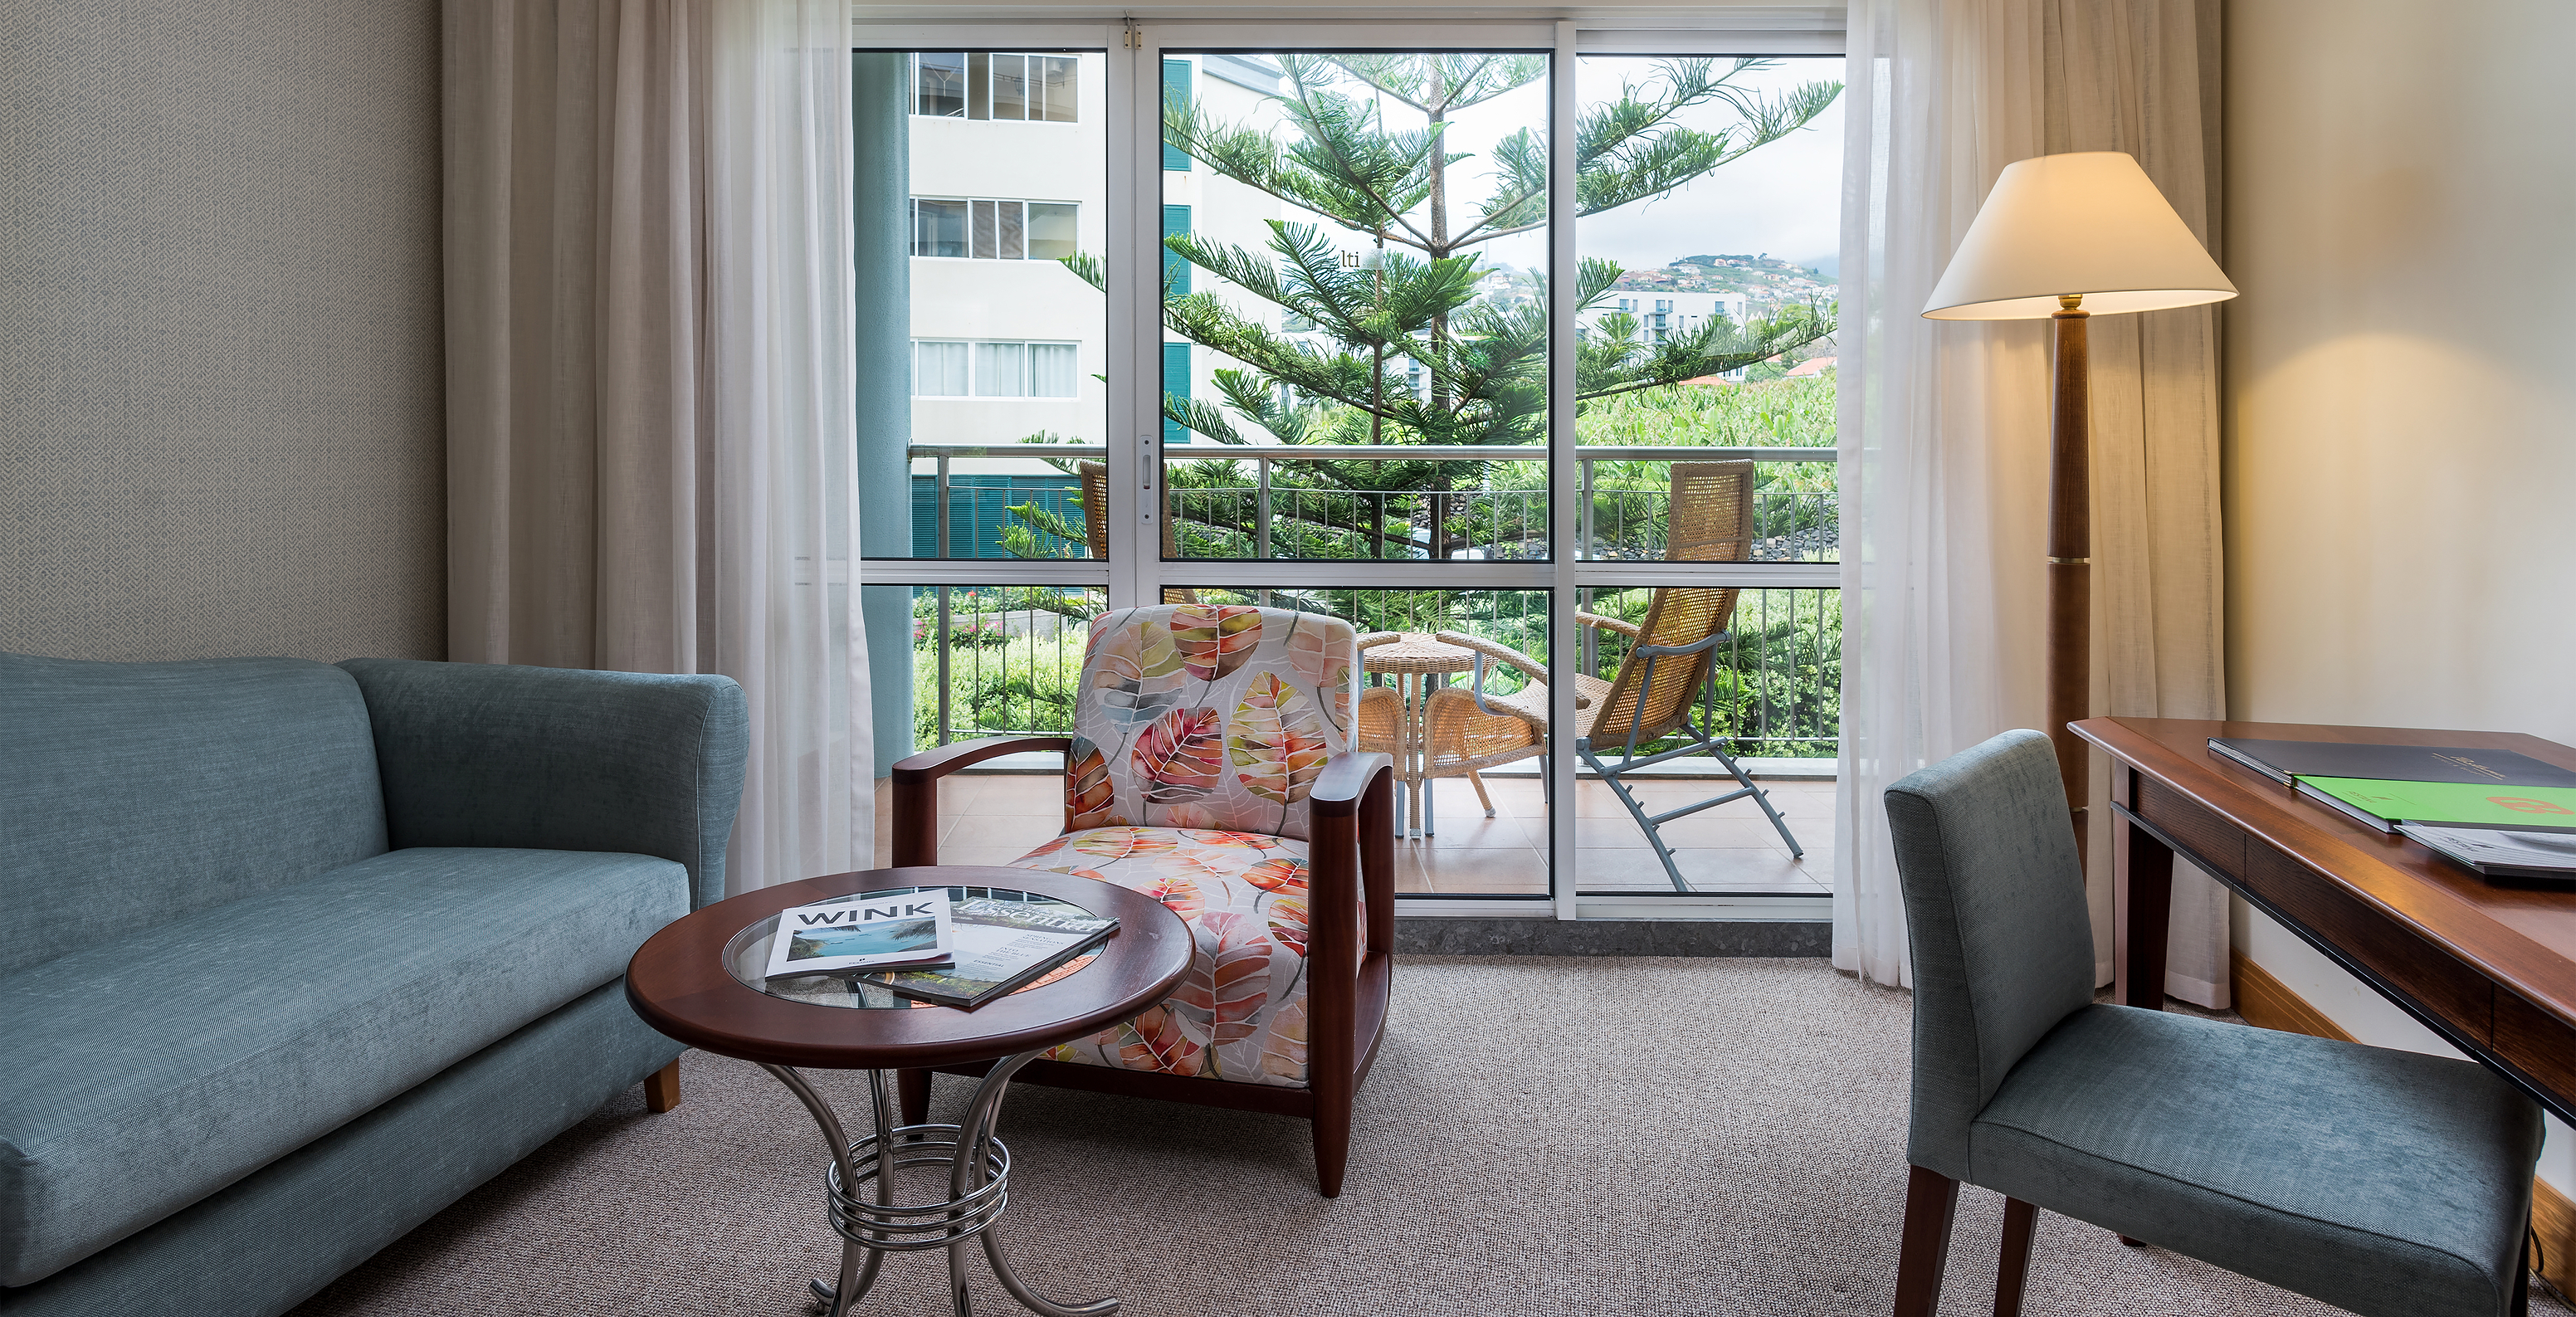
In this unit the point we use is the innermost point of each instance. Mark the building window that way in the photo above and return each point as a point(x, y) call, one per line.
point(948, 369)
point(975, 84)
point(993, 230)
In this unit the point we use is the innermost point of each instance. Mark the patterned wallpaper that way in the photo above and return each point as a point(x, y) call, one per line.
point(220, 372)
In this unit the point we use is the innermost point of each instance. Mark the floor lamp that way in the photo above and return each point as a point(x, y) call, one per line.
point(2069, 237)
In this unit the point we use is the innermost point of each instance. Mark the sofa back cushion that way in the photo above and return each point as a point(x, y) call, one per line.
point(132, 794)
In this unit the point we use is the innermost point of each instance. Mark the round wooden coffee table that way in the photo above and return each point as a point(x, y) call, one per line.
point(700, 981)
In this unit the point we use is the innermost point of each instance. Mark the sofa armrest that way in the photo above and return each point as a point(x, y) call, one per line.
point(478, 754)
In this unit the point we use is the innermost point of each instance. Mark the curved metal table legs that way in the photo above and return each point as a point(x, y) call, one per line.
point(872, 1225)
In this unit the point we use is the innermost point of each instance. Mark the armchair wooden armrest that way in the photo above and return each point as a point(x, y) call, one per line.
point(916, 788)
point(1628, 629)
point(1380, 638)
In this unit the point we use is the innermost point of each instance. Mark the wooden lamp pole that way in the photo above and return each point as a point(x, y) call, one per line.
point(2070, 556)
point(2094, 222)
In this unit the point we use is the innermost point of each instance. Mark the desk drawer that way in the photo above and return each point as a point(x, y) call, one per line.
point(2405, 962)
point(2201, 831)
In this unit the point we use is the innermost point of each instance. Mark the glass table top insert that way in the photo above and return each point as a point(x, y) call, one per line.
point(747, 955)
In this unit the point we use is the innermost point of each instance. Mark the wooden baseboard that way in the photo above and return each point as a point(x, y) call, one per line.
point(2267, 1002)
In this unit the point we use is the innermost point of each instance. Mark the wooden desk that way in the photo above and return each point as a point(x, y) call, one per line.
point(2491, 968)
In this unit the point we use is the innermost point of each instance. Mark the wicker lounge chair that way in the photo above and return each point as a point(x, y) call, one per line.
point(1669, 658)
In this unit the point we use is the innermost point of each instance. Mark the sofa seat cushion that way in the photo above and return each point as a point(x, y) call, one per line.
point(1240, 1013)
point(2356, 1175)
point(148, 1071)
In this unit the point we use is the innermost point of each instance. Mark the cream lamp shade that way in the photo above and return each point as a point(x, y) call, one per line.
point(2087, 222)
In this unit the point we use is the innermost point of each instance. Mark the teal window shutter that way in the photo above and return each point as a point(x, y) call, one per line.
point(1176, 90)
point(1176, 382)
point(1176, 272)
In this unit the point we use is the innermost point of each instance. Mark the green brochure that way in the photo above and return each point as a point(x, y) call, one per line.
point(2384, 803)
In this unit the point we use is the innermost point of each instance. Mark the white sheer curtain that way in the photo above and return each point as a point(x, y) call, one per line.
point(1945, 426)
point(650, 431)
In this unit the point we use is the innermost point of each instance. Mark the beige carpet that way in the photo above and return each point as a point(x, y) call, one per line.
point(1596, 1136)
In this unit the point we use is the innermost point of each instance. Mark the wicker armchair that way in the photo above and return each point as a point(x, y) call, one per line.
point(1670, 655)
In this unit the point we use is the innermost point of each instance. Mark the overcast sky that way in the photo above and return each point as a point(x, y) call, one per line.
point(1784, 198)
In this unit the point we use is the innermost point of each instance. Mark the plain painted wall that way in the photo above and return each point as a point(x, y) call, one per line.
point(221, 417)
point(2400, 443)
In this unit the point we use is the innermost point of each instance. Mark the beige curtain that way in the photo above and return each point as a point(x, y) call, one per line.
point(1945, 426)
point(650, 440)
point(2142, 76)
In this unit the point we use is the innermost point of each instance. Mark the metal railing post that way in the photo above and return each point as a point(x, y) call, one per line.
point(946, 647)
point(939, 491)
point(1261, 511)
point(1583, 519)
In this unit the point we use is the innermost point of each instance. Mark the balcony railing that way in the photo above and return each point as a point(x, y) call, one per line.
point(1620, 517)
point(998, 660)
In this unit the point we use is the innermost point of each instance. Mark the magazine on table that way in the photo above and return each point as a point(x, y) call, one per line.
point(863, 932)
point(1001, 947)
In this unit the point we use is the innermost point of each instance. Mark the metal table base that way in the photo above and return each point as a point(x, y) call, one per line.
point(859, 1191)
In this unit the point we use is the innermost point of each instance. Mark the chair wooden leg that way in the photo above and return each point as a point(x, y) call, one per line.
point(2021, 1222)
point(662, 1089)
point(912, 1094)
point(1931, 1200)
point(1332, 1143)
point(1481, 798)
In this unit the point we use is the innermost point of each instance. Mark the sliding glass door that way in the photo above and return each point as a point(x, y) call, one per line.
point(1377, 321)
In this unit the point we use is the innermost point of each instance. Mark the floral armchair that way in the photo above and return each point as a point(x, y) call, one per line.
point(1213, 766)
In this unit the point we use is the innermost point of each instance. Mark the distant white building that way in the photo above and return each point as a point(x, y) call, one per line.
point(1662, 314)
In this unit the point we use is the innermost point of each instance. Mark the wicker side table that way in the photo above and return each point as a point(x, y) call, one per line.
point(1414, 660)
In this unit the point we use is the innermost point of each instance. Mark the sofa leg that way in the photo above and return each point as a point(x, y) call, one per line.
point(662, 1088)
point(1931, 1199)
point(912, 1093)
point(2012, 1273)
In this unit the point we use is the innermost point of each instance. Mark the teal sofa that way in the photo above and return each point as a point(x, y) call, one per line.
point(294, 955)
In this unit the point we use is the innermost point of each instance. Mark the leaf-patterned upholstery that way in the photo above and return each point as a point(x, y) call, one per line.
point(1198, 734)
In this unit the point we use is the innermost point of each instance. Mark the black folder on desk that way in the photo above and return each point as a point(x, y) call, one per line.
point(2284, 760)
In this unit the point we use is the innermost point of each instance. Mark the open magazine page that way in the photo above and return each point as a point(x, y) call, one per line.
point(999, 944)
point(862, 932)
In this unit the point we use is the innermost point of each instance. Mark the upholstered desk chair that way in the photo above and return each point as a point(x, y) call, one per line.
point(2388, 1183)
point(1212, 767)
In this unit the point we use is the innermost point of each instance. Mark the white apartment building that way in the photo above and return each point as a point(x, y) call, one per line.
point(1009, 173)
point(1663, 314)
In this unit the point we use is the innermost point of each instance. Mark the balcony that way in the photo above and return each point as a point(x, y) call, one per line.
point(998, 660)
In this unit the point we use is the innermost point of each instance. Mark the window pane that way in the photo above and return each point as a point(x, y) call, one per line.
point(1766, 698)
point(999, 433)
point(1717, 328)
point(1001, 370)
point(986, 240)
point(939, 370)
point(1413, 682)
point(1011, 247)
point(979, 85)
point(1010, 87)
point(939, 228)
point(939, 83)
point(1415, 324)
point(1012, 656)
point(1052, 370)
point(1060, 87)
point(1050, 230)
